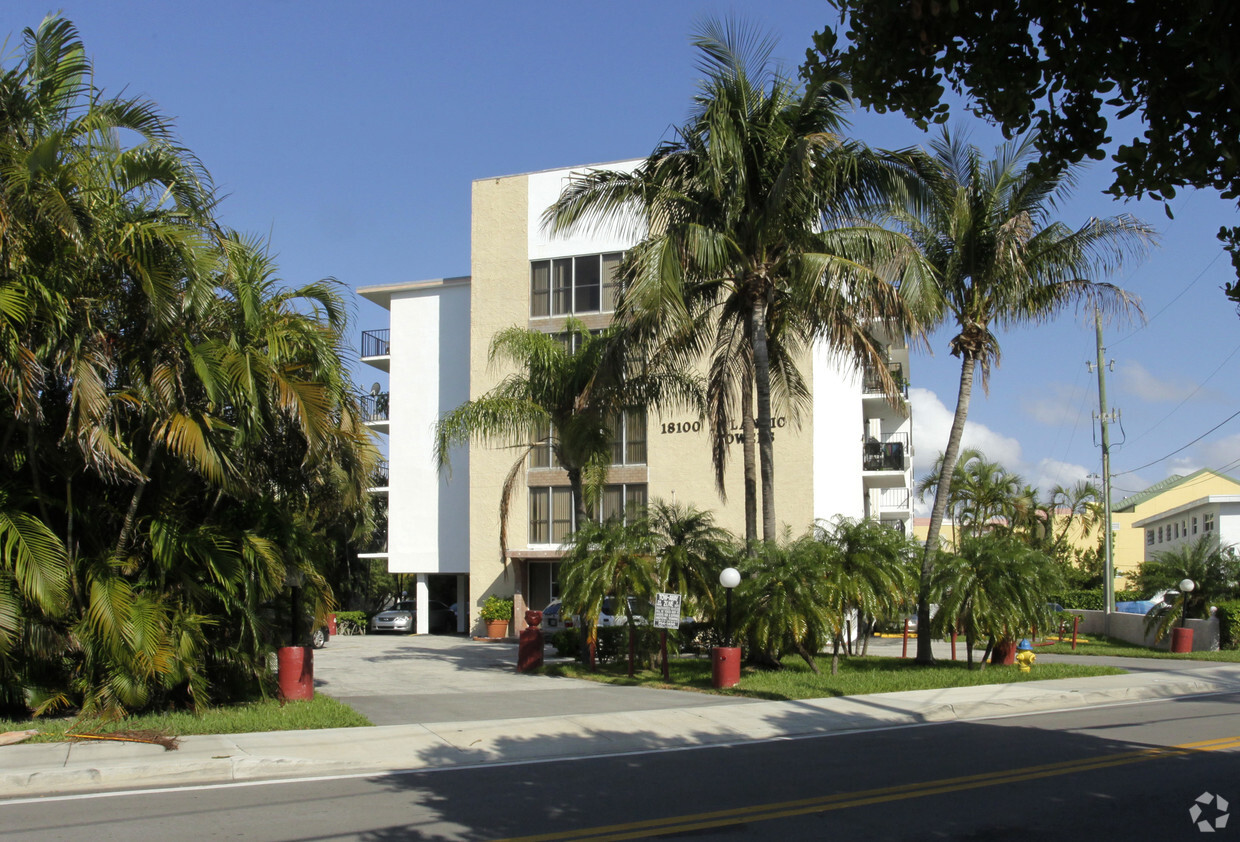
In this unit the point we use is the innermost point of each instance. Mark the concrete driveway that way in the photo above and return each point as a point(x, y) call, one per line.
point(415, 679)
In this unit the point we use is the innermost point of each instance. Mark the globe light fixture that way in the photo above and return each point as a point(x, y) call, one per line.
point(1187, 586)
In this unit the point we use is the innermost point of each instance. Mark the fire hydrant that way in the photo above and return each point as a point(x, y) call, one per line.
point(1024, 655)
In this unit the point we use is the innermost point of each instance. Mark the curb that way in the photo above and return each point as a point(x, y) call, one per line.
point(226, 759)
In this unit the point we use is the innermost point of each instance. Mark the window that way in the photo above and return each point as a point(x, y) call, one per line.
point(1177, 530)
point(1194, 524)
point(542, 456)
point(621, 502)
point(628, 443)
point(540, 519)
point(1160, 534)
point(566, 285)
point(1149, 537)
point(1207, 522)
point(551, 514)
point(561, 514)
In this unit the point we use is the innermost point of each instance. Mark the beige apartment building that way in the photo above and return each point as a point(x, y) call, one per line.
point(851, 454)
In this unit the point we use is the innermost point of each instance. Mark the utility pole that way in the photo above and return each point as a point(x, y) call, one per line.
point(1105, 418)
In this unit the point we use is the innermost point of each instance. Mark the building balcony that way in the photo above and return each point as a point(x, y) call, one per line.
point(885, 462)
point(375, 410)
point(379, 480)
point(376, 547)
point(892, 500)
point(377, 348)
point(872, 384)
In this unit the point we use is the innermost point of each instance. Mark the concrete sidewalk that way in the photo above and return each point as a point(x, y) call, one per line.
point(679, 720)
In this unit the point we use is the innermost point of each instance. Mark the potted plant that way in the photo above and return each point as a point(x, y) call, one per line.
point(496, 613)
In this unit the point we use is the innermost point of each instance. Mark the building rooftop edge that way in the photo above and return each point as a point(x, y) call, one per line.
point(1184, 507)
point(381, 294)
point(594, 166)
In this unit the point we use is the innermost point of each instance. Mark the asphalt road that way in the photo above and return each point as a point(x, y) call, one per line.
point(1130, 771)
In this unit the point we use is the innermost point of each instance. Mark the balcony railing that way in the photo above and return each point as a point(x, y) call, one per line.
point(380, 477)
point(872, 384)
point(890, 453)
point(374, 407)
point(376, 343)
point(893, 499)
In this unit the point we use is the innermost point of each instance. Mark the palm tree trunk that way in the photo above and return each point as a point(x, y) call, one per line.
point(131, 515)
point(766, 450)
point(579, 500)
point(925, 654)
point(748, 442)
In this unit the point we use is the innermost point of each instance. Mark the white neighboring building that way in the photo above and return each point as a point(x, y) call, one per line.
point(1217, 514)
point(852, 456)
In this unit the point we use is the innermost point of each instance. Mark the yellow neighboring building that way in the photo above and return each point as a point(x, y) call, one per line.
point(1168, 513)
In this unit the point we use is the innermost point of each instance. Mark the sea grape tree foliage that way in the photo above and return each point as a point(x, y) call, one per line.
point(1068, 70)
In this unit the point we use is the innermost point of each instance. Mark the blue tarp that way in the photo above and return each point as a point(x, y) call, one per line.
point(1139, 607)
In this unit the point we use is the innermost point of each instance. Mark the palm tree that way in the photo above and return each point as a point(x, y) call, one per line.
point(999, 260)
point(690, 553)
point(751, 214)
point(787, 604)
point(1213, 568)
point(562, 394)
point(869, 568)
point(613, 559)
point(993, 588)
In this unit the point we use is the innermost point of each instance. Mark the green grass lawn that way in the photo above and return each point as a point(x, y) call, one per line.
point(1118, 648)
point(268, 715)
point(857, 676)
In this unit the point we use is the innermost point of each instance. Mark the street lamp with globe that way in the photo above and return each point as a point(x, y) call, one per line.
point(1186, 587)
point(729, 578)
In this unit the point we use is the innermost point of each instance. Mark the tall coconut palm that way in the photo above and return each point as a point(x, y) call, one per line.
point(562, 393)
point(751, 210)
point(1000, 259)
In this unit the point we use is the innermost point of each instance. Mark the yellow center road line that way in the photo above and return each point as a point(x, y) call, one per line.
point(839, 801)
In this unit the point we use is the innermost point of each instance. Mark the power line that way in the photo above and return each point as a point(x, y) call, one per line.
point(1200, 386)
point(1180, 295)
point(1177, 450)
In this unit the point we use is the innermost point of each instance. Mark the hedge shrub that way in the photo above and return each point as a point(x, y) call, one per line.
point(1092, 600)
point(1228, 624)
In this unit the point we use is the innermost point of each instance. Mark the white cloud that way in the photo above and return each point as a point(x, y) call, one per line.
point(932, 421)
point(1059, 405)
point(1137, 380)
point(1048, 473)
point(931, 425)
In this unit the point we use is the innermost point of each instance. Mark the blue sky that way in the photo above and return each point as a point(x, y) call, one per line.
point(349, 134)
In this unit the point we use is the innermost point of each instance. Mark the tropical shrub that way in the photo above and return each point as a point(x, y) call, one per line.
point(179, 429)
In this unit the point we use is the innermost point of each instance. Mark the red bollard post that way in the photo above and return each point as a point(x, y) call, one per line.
point(295, 672)
point(530, 643)
point(904, 654)
point(953, 644)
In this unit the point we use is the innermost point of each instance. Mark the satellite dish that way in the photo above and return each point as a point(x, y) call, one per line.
point(375, 389)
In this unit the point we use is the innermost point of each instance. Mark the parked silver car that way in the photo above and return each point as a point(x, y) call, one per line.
point(402, 618)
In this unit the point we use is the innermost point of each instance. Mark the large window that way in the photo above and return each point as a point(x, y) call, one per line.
point(1207, 522)
point(568, 285)
point(551, 515)
point(628, 442)
point(622, 502)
